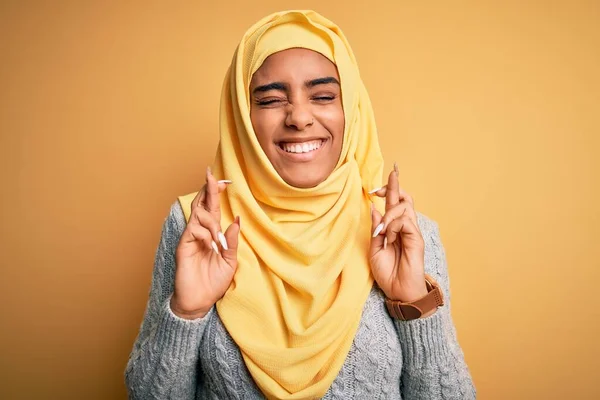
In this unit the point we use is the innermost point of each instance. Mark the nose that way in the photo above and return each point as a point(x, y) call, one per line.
point(299, 117)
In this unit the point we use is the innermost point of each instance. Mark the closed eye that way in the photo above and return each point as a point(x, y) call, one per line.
point(324, 98)
point(266, 102)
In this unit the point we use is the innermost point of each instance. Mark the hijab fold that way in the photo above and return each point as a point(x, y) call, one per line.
point(303, 276)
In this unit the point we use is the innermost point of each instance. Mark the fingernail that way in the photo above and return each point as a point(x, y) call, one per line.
point(385, 243)
point(222, 240)
point(208, 171)
point(395, 167)
point(225, 181)
point(375, 190)
point(378, 229)
point(214, 246)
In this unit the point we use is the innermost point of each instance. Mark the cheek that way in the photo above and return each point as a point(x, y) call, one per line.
point(338, 135)
point(334, 122)
point(264, 124)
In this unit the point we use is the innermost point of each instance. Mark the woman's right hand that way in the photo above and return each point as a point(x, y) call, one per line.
point(206, 259)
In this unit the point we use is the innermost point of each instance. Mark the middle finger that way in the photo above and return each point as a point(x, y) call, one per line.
point(403, 194)
point(392, 196)
point(212, 203)
point(396, 212)
point(199, 199)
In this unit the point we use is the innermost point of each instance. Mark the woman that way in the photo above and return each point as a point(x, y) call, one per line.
point(310, 292)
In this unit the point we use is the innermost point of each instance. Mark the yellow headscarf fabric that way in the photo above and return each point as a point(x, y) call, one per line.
point(296, 300)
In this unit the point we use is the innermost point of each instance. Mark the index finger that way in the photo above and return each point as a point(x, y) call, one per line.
point(392, 196)
point(212, 203)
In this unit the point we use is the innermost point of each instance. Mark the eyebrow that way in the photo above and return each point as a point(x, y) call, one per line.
point(322, 81)
point(283, 87)
point(270, 86)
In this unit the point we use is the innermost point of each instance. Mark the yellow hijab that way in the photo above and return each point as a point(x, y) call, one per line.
point(296, 300)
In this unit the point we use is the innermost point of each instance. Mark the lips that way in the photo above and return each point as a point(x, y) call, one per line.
point(301, 147)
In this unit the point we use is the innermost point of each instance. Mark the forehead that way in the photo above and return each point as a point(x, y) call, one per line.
point(294, 64)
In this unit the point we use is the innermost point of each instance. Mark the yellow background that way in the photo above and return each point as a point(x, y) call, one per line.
point(108, 111)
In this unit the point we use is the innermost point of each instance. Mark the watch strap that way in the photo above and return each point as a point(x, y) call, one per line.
point(406, 311)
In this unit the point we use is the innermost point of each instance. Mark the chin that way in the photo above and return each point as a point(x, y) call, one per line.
point(303, 179)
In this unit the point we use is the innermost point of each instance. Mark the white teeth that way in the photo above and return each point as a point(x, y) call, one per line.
point(305, 147)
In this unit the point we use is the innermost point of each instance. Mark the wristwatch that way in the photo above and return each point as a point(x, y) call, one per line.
point(415, 309)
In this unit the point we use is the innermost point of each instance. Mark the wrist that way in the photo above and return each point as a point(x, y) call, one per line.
point(187, 314)
point(411, 293)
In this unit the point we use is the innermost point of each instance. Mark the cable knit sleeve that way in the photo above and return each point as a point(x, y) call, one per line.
point(434, 365)
point(164, 361)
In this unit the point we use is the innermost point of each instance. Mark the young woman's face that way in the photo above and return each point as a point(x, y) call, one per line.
point(297, 115)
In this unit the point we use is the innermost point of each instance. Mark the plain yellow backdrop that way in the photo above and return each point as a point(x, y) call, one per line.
point(108, 111)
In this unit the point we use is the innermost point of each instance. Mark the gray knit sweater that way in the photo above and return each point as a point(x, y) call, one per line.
point(175, 358)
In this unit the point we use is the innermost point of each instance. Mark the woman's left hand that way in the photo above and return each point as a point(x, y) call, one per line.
point(397, 253)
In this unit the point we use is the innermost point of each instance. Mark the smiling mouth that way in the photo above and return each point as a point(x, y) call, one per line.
point(301, 147)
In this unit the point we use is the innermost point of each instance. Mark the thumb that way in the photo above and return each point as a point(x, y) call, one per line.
point(232, 236)
point(377, 241)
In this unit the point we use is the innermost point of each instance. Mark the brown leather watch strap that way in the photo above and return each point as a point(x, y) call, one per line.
point(415, 309)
